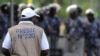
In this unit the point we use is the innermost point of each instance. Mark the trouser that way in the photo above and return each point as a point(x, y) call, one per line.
point(53, 42)
point(71, 45)
point(90, 50)
point(76, 47)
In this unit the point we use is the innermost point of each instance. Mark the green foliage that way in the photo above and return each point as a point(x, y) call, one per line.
point(64, 5)
point(15, 1)
point(84, 4)
point(3, 1)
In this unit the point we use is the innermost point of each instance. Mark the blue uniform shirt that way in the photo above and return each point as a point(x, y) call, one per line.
point(53, 24)
point(74, 27)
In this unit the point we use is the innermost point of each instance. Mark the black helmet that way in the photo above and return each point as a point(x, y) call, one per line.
point(4, 8)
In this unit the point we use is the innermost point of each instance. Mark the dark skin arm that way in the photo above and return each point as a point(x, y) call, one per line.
point(44, 52)
point(6, 52)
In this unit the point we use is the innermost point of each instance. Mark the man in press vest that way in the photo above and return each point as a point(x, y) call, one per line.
point(26, 39)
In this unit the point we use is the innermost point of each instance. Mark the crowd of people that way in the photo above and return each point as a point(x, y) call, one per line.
point(82, 33)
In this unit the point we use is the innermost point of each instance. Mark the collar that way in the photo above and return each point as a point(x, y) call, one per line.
point(25, 22)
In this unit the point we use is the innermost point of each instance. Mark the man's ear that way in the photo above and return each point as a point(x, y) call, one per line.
point(34, 19)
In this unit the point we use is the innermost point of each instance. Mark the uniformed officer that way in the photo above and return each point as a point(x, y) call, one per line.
point(4, 19)
point(92, 32)
point(26, 39)
point(53, 23)
point(74, 30)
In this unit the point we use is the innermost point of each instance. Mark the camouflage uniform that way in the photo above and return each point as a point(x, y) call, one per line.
point(92, 41)
point(52, 29)
point(74, 30)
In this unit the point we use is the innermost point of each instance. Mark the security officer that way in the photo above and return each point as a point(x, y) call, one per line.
point(92, 32)
point(4, 20)
point(74, 30)
point(53, 23)
point(26, 39)
point(40, 20)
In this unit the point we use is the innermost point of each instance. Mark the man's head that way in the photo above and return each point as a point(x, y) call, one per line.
point(40, 12)
point(53, 8)
point(29, 15)
point(4, 8)
point(79, 10)
point(52, 11)
point(90, 15)
point(72, 11)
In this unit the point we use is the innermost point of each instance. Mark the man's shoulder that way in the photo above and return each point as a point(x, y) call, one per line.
point(13, 27)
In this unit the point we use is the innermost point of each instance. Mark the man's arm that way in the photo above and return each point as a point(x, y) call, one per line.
point(44, 45)
point(44, 52)
point(6, 52)
point(6, 45)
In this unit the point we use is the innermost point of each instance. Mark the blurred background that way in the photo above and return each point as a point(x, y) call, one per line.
point(10, 15)
point(94, 4)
